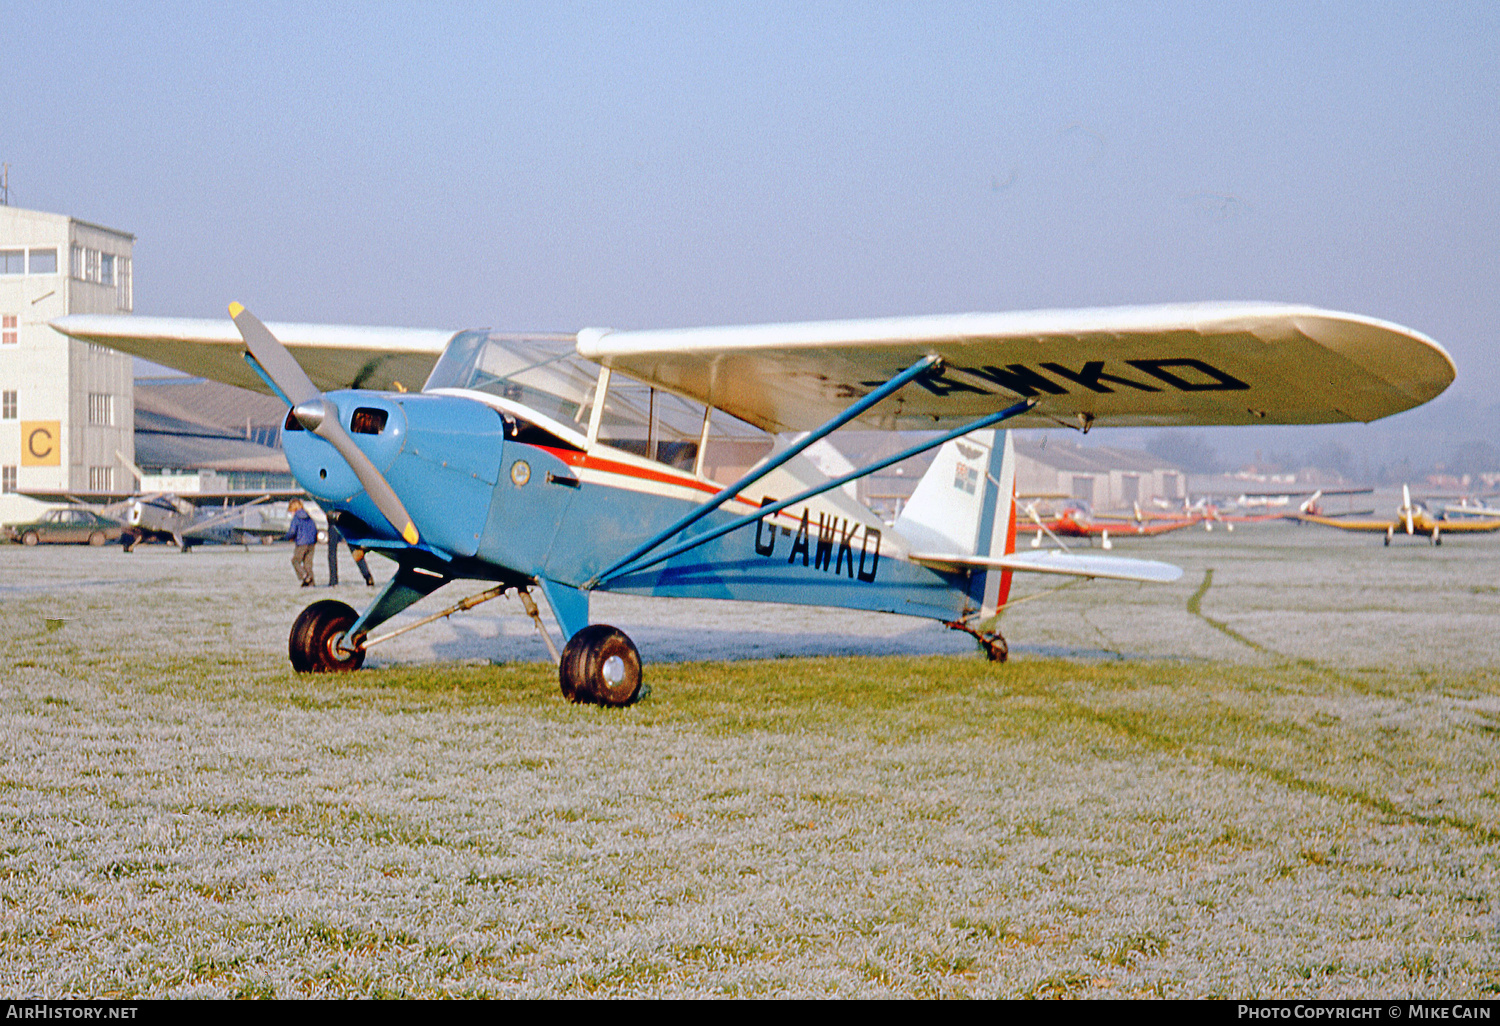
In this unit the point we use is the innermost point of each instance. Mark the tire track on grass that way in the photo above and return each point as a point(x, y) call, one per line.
point(1131, 727)
point(1287, 778)
point(1195, 607)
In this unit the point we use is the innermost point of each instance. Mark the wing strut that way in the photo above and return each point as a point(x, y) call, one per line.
point(777, 507)
point(922, 366)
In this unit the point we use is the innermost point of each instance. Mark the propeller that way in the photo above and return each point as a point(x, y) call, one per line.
point(318, 414)
point(1406, 509)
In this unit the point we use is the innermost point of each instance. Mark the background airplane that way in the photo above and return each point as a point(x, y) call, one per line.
point(186, 519)
point(1076, 521)
point(571, 464)
point(1412, 518)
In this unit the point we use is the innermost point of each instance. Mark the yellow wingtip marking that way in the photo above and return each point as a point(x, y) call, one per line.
point(409, 532)
point(235, 309)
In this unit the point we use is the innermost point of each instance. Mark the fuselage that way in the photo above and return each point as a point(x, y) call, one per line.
point(499, 496)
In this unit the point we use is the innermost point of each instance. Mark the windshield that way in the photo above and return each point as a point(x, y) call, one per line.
point(541, 372)
point(544, 373)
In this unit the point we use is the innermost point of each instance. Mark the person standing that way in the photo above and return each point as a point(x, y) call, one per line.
point(364, 568)
point(333, 554)
point(334, 537)
point(303, 534)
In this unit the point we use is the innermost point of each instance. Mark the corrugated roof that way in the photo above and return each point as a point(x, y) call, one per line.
point(1095, 459)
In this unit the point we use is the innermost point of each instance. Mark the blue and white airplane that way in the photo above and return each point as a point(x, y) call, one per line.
point(597, 461)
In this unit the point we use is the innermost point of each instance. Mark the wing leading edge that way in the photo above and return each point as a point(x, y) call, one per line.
point(334, 356)
point(1194, 364)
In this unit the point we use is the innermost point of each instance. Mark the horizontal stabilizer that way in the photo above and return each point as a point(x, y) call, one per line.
point(1052, 561)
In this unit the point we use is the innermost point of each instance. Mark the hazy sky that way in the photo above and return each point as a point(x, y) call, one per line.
point(640, 165)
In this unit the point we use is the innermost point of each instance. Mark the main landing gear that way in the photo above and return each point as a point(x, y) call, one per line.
point(599, 665)
point(316, 643)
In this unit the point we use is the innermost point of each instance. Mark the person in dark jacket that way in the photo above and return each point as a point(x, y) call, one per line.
point(334, 538)
point(303, 534)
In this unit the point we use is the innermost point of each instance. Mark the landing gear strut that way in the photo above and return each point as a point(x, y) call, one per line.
point(317, 641)
point(600, 665)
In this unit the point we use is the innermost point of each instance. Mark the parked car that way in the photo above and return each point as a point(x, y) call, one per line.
point(77, 526)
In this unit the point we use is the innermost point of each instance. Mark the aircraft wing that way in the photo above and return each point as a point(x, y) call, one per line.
point(1055, 561)
point(240, 499)
point(1194, 364)
point(1471, 526)
point(334, 356)
point(1345, 524)
point(79, 498)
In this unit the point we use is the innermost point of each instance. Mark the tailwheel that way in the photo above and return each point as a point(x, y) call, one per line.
point(316, 640)
point(600, 665)
point(992, 643)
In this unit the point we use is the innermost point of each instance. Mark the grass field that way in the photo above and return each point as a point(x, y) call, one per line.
point(1277, 778)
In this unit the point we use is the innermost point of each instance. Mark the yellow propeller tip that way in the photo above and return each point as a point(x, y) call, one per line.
point(409, 532)
point(235, 309)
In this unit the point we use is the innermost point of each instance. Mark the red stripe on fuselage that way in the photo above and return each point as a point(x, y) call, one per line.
point(574, 458)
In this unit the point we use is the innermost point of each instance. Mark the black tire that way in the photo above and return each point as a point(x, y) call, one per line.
point(600, 665)
point(29, 538)
point(312, 644)
point(96, 539)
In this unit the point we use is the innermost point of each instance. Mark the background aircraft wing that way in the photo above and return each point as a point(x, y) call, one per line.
point(333, 356)
point(1351, 525)
point(1195, 364)
point(1469, 526)
point(240, 499)
point(79, 498)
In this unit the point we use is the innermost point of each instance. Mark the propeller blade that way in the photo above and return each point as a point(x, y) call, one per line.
point(273, 357)
point(320, 416)
point(1406, 509)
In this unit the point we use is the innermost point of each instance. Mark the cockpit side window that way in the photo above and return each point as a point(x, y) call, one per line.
point(669, 429)
point(518, 429)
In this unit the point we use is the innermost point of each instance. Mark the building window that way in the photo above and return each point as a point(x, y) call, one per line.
point(90, 265)
point(123, 297)
point(106, 269)
point(101, 409)
point(8, 404)
point(43, 261)
point(8, 335)
point(12, 261)
point(101, 479)
point(8, 480)
point(75, 262)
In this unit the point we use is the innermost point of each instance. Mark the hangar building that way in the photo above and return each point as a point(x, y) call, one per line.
point(66, 407)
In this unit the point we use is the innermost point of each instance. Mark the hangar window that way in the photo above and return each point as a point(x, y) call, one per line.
point(8, 404)
point(106, 269)
point(43, 261)
point(12, 261)
point(124, 299)
point(8, 329)
point(101, 479)
point(101, 409)
point(8, 480)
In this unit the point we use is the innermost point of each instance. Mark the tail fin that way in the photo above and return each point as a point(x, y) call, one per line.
point(965, 505)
